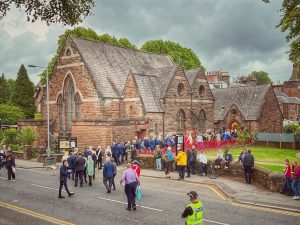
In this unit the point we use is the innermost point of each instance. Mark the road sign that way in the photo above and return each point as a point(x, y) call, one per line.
point(49, 161)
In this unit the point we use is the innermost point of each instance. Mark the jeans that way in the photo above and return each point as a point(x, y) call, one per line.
point(130, 193)
point(188, 169)
point(295, 186)
point(109, 180)
point(286, 186)
point(158, 164)
point(61, 184)
point(203, 168)
point(192, 165)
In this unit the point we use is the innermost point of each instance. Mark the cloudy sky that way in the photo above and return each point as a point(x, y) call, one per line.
point(232, 35)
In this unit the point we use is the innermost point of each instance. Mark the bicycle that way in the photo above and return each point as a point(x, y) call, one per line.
point(213, 171)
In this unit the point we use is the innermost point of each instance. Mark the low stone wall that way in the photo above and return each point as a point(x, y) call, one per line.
point(18, 155)
point(267, 179)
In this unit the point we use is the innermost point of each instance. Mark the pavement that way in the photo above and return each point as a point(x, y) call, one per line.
point(235, 191)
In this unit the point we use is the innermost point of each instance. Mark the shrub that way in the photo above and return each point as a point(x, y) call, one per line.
point(10, 136)
point(290, 128)
point(38, 116)
point(28, 135)
point(10, 114)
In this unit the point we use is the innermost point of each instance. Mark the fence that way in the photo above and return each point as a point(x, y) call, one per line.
point(281, 140)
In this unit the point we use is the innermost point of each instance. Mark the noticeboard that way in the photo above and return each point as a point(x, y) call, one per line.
point(67, 142)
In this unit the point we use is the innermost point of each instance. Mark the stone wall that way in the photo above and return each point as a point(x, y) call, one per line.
point(267, 179)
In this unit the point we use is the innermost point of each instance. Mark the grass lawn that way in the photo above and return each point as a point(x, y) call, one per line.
point(278, 169)
point(264, 154)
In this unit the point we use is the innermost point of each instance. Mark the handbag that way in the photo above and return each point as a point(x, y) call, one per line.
point(138, 193)
point(14, 169)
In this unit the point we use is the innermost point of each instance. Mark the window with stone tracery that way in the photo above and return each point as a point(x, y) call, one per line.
point(69, 92)
point(181, 118)
point(77, 106)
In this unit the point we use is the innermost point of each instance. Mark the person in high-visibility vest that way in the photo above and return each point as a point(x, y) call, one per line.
point(193, 212)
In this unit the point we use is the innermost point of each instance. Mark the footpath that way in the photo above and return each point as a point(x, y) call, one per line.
point(235, 191)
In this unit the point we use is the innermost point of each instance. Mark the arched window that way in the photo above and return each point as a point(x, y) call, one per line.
point(60, 109)
point(202, 120)
point(201, 90)
point(180, 89)
point(69, 92)
point(68, 52)
point(181, 120)
point(77, 106)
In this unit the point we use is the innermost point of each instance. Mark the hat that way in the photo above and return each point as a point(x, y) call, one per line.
point(193, 194)
point(136, 162)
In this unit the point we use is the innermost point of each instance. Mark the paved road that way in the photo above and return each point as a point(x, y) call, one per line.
point(163, 202)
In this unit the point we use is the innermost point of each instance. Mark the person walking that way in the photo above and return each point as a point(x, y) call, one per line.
point(296, 180)
point(11, 167)
point(157, 157)
point(115, 173)
point(193, 212)
point(90, 169)
point(108, 174)
point(63, 175)
point(131, 180)
point(286, 187)
point(248, 166)
point(181, 161)
point(80, 169)
point(136, 167)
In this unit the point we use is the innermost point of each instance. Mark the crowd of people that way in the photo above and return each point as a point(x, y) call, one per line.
point(291, 182)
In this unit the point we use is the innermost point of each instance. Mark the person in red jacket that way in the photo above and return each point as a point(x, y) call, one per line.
point(286, 187)
point(136, 166)
point(296, 180)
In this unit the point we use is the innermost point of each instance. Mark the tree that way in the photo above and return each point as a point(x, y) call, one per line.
point(4, 90)
point(69, 12)
point(88, 34)
point(12, 85)
point(290, 23)
point(24, 93)
point(181, 55)
point(10, 114)
point(262, 77)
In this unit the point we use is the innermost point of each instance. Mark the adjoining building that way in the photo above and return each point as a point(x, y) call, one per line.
point(99, 92)
point(250, 107)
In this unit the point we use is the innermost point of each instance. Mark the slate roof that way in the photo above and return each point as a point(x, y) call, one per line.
point(249, 100)
point(109, 65)
point(284, 98)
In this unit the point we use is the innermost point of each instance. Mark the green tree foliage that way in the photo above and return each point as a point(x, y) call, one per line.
point(290, 24)
point(4, 90)
point(180, 55)
point(12, 85)
point(262, 77)
point(28, 135)
point(290, 128)
point(10, 136)
point(70, 12)
point(24, 93)
point(10, 114)
point(88, 34)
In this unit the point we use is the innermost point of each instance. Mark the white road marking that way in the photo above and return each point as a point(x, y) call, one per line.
point(145, 207)
point(210, 221)
point(112, 200)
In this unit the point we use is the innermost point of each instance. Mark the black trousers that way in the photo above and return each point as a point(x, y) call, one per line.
point(248, 174)
point(10, 173)
point(61, 184)
point(79, 174)
point(130, 193)
point(181, 171)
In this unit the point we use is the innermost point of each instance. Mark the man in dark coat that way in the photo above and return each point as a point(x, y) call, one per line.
point(248, 166)
point(79, 165)
point(10, 166)
point(108, 174)
point(63, 179)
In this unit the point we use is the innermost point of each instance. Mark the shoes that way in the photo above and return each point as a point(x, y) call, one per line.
point(71, 193)
point(108, 191)
point(296, 198)
point(81, 185)
point(282, 192)
point(13, 180)
point(114, 189)
point(188, 176)
point(178, 178)
point(61, 196)
point(90, 184)
point(129, 209)
point(75, 185)
point(134, 207)
point(85, 181)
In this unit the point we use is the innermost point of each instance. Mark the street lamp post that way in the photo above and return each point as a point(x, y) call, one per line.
point(48, 115)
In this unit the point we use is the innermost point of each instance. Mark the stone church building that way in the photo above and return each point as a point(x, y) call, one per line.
point(99, 92)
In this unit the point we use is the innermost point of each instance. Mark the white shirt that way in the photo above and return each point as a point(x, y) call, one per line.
point(202, 158)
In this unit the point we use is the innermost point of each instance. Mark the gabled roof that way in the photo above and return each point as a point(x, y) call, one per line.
point(249, 100)
point(284, 98)
point(109, 65)
point(191, 76)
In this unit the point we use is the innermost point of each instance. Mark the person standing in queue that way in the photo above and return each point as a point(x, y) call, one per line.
point(63, 175)
point(10, 166)
point(131, 180)
point(193, 212)
point(80, 168)
point(181, 161)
